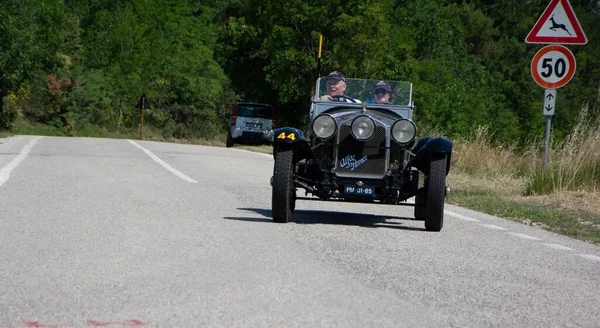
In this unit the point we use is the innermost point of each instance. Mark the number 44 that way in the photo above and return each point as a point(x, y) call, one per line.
point(290, 136)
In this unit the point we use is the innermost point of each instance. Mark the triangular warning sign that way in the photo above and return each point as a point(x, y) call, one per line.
point(557, 25)
point(143, 102)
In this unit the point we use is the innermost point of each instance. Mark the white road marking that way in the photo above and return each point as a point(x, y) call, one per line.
point(163, 164)
point(557, 246)
point(590, 257)
point(459, 216)
point(5, 171)
point(491, 226)
point(524, 236)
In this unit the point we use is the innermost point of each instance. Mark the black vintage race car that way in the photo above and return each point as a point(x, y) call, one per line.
point(361, 147)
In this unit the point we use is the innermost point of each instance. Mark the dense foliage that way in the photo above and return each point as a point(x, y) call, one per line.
point(73, 63)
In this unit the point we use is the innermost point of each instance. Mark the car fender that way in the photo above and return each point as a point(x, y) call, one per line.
point(427, 148)
point(288, 137)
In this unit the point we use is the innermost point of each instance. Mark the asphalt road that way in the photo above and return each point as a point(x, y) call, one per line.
point(119, 233)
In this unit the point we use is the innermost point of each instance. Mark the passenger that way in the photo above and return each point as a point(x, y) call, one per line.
point(382, 92)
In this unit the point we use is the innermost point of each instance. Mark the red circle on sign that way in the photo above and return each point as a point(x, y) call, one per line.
point(549, 58)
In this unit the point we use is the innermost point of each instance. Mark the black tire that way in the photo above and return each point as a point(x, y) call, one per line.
point(293, 205)
point(229, 142)
point(283, 186)
point(420, 209)
point(436, 193)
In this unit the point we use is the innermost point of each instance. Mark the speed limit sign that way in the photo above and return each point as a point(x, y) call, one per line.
point(553, 66)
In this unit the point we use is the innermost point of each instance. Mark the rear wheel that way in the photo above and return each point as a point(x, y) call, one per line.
point(293, 206)
point(420, 209)
point(229, 141)
point(436, 192)
point(283, 201)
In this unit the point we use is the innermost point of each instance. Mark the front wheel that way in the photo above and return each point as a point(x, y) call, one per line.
point(283, 202)
point(436, 192)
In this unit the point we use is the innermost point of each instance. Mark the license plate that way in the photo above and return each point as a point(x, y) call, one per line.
point(361, 191)
point(253, 125)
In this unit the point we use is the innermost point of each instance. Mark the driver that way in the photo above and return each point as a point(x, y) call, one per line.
point(336, 85)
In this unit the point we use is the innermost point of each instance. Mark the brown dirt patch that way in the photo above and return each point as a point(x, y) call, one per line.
point(580, 202)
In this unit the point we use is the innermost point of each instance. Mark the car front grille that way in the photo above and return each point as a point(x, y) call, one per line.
point(361, 159)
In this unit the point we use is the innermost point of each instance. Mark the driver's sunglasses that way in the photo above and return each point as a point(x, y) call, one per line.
point(380, 91)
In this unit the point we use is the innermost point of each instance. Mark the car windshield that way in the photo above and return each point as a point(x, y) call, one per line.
point(363, 90)
point(255, 111)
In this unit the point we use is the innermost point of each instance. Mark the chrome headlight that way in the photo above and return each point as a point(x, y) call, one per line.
point(404, 131)
point(324, 126)
point(363, 127)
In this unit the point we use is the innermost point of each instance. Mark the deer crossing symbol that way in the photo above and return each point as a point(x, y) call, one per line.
point(555, 25)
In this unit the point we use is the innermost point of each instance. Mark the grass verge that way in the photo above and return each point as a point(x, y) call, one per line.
point(548, 213)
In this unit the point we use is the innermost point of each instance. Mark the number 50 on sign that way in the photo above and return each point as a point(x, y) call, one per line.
point(553, 66)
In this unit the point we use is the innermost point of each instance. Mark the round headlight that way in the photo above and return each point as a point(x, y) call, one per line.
point(363, 127)
point(404, 131)
point(324, 126)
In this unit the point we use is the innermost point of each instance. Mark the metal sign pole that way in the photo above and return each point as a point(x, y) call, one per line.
point(142, 104)
point(548, 111)
point(546, 144)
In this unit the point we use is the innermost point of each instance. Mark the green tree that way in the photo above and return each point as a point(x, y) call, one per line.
point(159, 48)
point(32, 36)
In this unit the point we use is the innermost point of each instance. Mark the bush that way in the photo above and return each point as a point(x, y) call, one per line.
point(8, 115)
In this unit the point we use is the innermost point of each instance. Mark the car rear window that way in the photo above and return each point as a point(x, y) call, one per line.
point(255, 111)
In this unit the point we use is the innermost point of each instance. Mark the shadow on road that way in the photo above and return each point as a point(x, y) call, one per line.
point(332, 218)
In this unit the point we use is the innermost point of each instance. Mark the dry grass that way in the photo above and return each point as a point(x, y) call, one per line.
point(499, 185)
point(574, 164)
point(477, 157)
point(502, 181)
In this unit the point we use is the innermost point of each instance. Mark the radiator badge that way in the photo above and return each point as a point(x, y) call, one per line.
point(349, 162)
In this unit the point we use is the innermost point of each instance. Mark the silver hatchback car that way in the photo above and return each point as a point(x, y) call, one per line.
point(250, 123)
